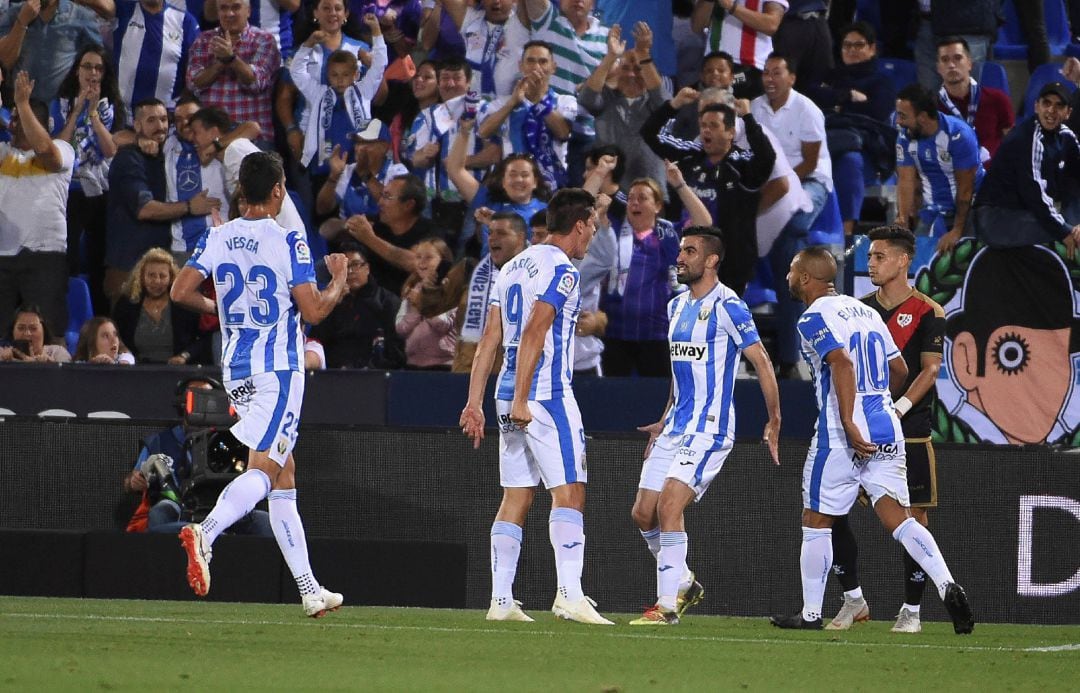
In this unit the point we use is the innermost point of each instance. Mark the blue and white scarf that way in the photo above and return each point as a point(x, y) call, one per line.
point(91, 172)
point(540, 143)
point(476, 306)
point(188, 184)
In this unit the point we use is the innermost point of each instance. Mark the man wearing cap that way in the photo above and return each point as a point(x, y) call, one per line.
point(1019, 202)
point(1013, 355)
point(355, 188)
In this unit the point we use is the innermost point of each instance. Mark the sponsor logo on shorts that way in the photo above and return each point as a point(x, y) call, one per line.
point(688, 351)
point(243, 393)
point(506, 425)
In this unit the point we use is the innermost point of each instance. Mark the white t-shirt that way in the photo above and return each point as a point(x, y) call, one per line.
point(289, 217)
point(477, 33)
point(798, 120)
point(773, 220)
point(33, 202)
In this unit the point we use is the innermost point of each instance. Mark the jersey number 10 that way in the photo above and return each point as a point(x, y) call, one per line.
point(868, 353)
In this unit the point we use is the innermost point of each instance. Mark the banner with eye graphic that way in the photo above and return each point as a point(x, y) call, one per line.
point(1011, 368)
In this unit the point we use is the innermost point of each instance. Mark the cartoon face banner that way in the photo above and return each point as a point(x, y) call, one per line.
point(1011, 369)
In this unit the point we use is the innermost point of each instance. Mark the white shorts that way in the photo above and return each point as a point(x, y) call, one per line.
point(269, 408)
point(832, 477)
point(551, 449)
point(694, 460)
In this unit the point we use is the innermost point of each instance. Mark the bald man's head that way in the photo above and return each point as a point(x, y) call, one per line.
point(812, 268)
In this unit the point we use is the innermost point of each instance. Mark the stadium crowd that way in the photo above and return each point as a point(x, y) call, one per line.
point(423, 138)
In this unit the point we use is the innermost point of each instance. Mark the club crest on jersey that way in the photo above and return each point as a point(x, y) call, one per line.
point(566, 284)
point(704, 313)
point(904, 319)
point(303, 253)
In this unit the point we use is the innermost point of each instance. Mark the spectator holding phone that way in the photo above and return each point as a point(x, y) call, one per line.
point(30, 339)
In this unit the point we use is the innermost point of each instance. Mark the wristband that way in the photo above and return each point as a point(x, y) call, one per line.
point(293, 128)
point(903, 406)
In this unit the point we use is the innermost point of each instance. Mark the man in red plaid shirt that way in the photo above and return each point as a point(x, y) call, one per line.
point(233, 67)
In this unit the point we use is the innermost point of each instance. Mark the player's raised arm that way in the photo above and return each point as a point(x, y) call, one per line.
point(843, 376)
point(757, 356)
point(185, 291)
point(472, 416)
point(528, 355)
point(315, 305)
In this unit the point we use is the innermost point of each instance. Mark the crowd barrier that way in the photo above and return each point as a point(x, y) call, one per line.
point(1008, 521)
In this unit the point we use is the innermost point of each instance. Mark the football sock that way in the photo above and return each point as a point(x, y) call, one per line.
point(914, 582)
point(289, 532)
point(236, 500)
point(566, 528)
point(505, 549)
point(913, 608)
point(670, 567)
point(652, 539)
point(845, 555)
point(815, 560)
point(920, 544)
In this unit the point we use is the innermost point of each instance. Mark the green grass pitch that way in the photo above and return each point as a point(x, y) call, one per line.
point(83, 644)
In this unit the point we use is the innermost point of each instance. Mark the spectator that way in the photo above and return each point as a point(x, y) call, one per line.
point(741, 32)
point(35, 173)
point(799, 125)
point(31, 340)
point(426, 318)
point(186, 175)
point(986, 109)
point(99, 342)
point(717, 72)
point(507, 239)
point(233, 67)
point(493, 37)
point(1035, 169)
point(350, 332)
point(43, 37)
point(399, 227)
point(140, 217)
point(622, 109)
point(538, 228)
point(399, 20)
point(152, 41)
point(340, 108)
point(804, 36)
point(355, 188)
point(659, 17)
point(594, 268)
point(732, 191)
point(581, 41)
point(423, 94)
point(533, 119)
point(948, 165)
point(976, 21)
point(154, 328)
point(272, 16)
point(86, 110)
point(857, 100)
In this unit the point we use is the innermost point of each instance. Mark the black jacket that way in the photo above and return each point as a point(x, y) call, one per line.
point(185, 330)
point(730, 189)
point(348, 332)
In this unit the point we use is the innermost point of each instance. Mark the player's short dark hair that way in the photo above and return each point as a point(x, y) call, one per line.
point(950, 40)
point(259, 173)
point(896, 235)
point(789, 62)
point(538, 219)
point(712, 237)
point(537, 43)
point(146, 103)
point(921, 99)
point(864, 29)
point(516, 222)
point(719, 55)
point(727, 113)
point(342, 57)
point(454, 63)
point(352, 246)
point(213, 117)
point(413, 191)
point(614, 150)
point(567, 207)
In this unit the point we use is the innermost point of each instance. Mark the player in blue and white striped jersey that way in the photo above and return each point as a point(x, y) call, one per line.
point(151, 41)
point(265, 283)
point(858, 440)
point(533, 314)
point(709, 326)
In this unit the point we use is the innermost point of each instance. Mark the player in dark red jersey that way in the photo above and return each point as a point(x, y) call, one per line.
point(917, 325)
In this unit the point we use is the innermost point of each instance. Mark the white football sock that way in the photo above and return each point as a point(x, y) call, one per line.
point(236, 500)
point(566, 528)
point(505, 549)
point(921, 546)
point(289, 532)
point(671, 567)
point(652, 540)
point(815, 560)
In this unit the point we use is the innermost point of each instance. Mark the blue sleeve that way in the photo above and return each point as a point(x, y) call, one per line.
point(57, 118)
point(196, 259)
point(813, 329)
point(669, 241)
point(964, 148)
point(128, 182)
point(746, 333)
point(303, 269)
point(902, 156)
point(563, 283)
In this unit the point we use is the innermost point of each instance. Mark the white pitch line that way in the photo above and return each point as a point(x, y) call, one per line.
point(549, 633)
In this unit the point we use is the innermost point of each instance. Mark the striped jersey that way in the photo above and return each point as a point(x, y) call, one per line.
point(705, 337)
point(255, 264)
point(576, 57)
point(937, 158)
point(152, 52)
point(748, 46)
point(539, 273)
point(842, 322)
point(267, 15)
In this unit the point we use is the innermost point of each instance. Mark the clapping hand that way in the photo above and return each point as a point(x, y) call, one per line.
point(336, 162)
point(24, 86)
point(222, 47)
point(686, 95)
point(616, 45)
point(643, 39)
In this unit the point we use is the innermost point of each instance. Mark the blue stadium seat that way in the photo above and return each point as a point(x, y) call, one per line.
point(993, 75)
point(901, 72)
point(828, 228)
point(759, 291)
point(1043, 75)
point(79, 310)
point(1012, 44)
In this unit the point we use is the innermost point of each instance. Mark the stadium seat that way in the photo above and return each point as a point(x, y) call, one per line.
point(828, 228)
point(1043, 75)
point(759, 291)
point(79, 310)
point(1012, 44)
point(993, 75)
point(316, 242)
point(901, 72)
